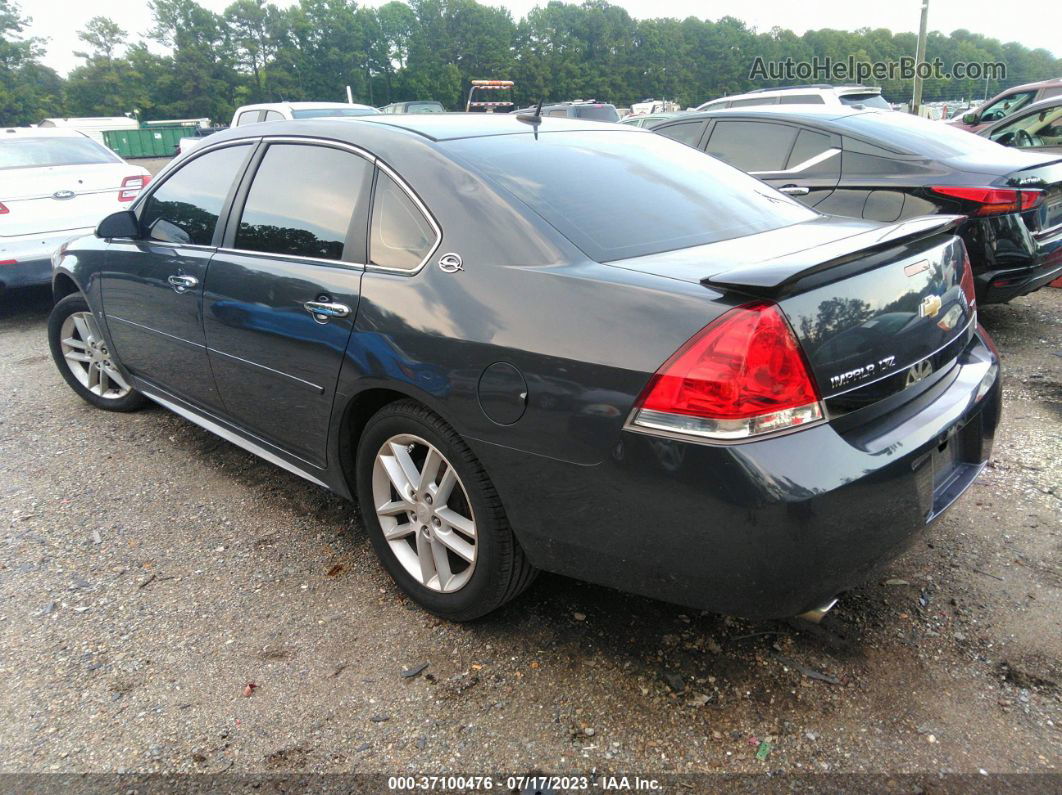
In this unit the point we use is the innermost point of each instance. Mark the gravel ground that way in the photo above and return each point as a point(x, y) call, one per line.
point(170, 603)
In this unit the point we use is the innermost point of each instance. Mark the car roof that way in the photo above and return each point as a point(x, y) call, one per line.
point(302, 105)
point(783, 112)
point(41, 132)
point(449, 126)
point(1053, 81)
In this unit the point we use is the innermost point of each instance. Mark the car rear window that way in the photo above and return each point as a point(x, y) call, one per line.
point(868, 99)
point(39, 152)
point(315, 113)
point(596, 112)
point(917, 136)
point(619, 193)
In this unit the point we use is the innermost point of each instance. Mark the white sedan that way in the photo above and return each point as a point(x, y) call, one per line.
point(55, 184)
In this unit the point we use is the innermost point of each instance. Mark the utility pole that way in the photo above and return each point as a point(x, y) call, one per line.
point(920, 56)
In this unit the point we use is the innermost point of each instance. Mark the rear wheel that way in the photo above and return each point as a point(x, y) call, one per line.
point(433, 516)
point(84, 359)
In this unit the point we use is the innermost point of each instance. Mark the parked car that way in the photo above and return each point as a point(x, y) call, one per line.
point(277, 111)
point(603, 353)
point(888, 166)
point(651, 120)
point(588, 109)
point(1007, 102)
point(1038, 128)
point(195, 137)
point(92, 126)
point(55, 183)
point(820, 94)
point(415, 106)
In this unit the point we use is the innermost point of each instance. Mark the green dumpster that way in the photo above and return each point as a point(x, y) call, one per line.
point(148, 142)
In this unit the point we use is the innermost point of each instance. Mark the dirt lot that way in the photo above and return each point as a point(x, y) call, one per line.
point(151, 571)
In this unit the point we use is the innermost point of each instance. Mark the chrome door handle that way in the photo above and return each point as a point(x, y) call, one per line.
point(182, 284)
point(323, 310)
point(794, 190)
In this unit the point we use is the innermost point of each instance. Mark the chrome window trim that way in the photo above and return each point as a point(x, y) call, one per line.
point(181, 161)
point(424, 210)
point(341, 263)
point(811, 161)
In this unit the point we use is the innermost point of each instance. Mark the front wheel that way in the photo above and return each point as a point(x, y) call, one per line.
point(84, 359)
point(434, 517)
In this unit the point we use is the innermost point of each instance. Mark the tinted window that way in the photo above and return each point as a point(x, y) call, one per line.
point(562, 112)
point(425, 107)
point(619, 194)
point(248, 117)
point(745, 103)
point(808, 144)
point(272, 115)
point(801, 99)
point(597, 112)
point(400, 235)
point(752, 145)
point(302, 201)
point(921, 136)
point(185, 208)
point(867, 100)
point(688, 132)
point(313, 113)
point(35, 152)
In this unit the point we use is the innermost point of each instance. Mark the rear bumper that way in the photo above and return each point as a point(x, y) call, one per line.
point(1008, 260)
point(764, 529)
point(32, 255)
point(998, 287)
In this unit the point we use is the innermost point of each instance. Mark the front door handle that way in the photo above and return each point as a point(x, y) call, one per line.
point(182, 284)
point(322, 311)
point(795, 190)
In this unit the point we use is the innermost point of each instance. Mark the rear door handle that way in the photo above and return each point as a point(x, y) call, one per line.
point(322, 311)
point(795, 190)
point(182, 284)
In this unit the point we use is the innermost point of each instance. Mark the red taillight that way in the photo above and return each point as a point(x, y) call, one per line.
point(967, 281)
point(742, 375)
point(8, 262)
point(131, 187)
point(993, 201)
point(3, 209)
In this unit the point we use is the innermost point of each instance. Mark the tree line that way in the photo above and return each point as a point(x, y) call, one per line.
point(206, 64)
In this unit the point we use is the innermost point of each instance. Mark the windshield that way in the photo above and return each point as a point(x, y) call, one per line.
point(917, 136)
point(624, 193)
point(38, 152)
point(867, 99)
point(314, 113)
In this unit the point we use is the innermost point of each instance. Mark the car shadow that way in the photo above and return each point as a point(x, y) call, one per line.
point(24, 304)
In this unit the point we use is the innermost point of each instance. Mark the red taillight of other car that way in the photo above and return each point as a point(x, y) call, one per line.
point(992, 201)
point(967, 281)
point(741, 376)
point(131, 187)
point(3, 209)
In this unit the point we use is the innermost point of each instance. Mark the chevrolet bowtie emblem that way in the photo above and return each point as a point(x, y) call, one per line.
point(930, 306)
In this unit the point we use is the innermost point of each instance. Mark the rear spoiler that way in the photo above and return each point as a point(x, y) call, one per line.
point(777, 275)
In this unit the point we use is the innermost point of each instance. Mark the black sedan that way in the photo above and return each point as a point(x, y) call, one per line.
point(547, 344)
point(887, 166)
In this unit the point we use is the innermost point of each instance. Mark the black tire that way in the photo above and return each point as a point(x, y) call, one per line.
point(502, 571)
point(60, 312)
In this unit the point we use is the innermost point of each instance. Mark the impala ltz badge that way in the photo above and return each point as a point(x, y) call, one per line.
point(63, 194)
point(930, 306)
point(918, 372)
point(451, 263)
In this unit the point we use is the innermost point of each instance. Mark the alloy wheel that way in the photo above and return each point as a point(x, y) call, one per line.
point(86, 354)
point(425, 513)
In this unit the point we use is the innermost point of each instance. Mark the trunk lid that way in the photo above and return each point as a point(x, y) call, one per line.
point(1046, 176)
point(58, 198)
point(875, 308)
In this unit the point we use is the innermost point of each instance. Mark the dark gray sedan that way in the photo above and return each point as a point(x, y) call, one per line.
point(547, 344)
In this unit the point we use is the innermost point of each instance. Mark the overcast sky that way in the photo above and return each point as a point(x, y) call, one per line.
point(1032, 24)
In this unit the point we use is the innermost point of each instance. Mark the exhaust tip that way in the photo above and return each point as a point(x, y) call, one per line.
point(816, 615)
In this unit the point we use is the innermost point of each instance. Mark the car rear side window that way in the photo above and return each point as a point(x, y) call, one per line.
point(688, 132)
point(400, 236)
point(752, 145)
point(808, 145)
point(185, 208)
point(801, 99)
point(273, 115)
point(248, 117)
point(753, 101)
point(303, 200)
point(57, 151)
point(621, 193)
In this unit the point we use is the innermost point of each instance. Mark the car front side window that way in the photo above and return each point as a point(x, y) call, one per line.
point(185, 208)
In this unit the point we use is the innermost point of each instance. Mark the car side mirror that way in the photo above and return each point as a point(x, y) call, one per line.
point(969, 118)
point(123, 223)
